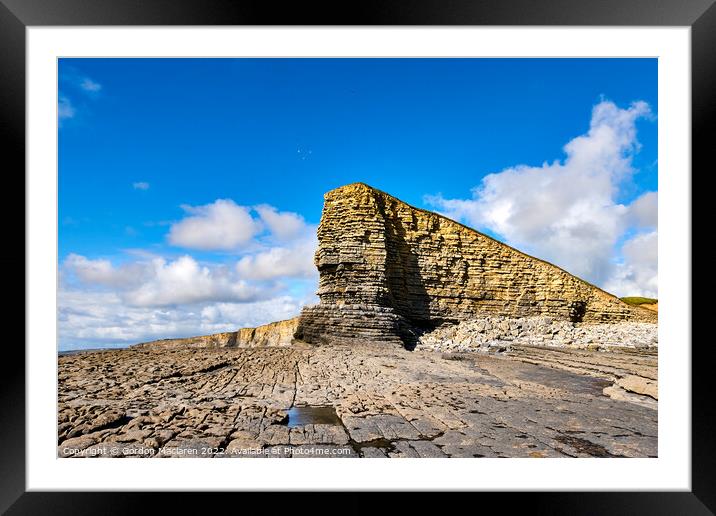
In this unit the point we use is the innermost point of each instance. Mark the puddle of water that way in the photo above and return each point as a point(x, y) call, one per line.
point(308, 415)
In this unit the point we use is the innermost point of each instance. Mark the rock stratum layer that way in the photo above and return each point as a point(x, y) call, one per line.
point(389, 272)
point(273, 334)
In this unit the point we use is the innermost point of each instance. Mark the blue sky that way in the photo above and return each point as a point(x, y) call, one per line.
point(148, 146)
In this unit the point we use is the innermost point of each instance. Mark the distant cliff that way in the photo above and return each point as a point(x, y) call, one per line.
point(273, 334)
point(389, 271)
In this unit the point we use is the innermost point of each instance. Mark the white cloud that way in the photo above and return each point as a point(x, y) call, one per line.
point(159, 282)
point(65, 109)
point(150, 297)
point(140, 185)
point(294, 261)
point(100, 319)
point(102, 272)
point(184, 281)
point(221, 225)
point(73, 78)
point(293, 242)
point(638, 273)
point(79, 86)
point(251, 314)
point(566, 212)
point(88, 84)
point(643, 211)
point(283, 225)
point(224, 225)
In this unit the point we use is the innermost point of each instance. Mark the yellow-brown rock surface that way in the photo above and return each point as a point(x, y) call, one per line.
point(389, 271)
point(273, 334)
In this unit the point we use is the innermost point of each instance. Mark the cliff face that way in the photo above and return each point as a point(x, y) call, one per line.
point(389, 271)
point(273, 334)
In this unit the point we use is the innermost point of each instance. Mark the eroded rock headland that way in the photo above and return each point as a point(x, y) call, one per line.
point(389, 272)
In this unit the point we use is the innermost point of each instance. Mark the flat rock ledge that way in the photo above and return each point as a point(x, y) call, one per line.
point(383, 402)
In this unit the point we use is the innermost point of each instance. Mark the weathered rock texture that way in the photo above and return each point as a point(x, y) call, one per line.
point(389, 271)
point(235, 403)
point(273, 334)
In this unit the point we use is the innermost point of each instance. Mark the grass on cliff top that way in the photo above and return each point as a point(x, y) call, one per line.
point(639, 300)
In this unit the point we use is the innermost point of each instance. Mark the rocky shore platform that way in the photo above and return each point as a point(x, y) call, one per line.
point(357, 401)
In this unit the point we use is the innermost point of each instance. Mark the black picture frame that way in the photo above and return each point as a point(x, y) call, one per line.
point(17, 15)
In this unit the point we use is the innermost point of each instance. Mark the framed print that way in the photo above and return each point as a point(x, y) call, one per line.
point(451, 236)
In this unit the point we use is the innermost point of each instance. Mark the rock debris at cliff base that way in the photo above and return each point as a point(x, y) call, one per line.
point(388, 402)
point(500, 333)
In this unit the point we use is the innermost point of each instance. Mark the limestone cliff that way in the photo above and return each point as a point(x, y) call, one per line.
point(389, 271)
point(273, 334)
